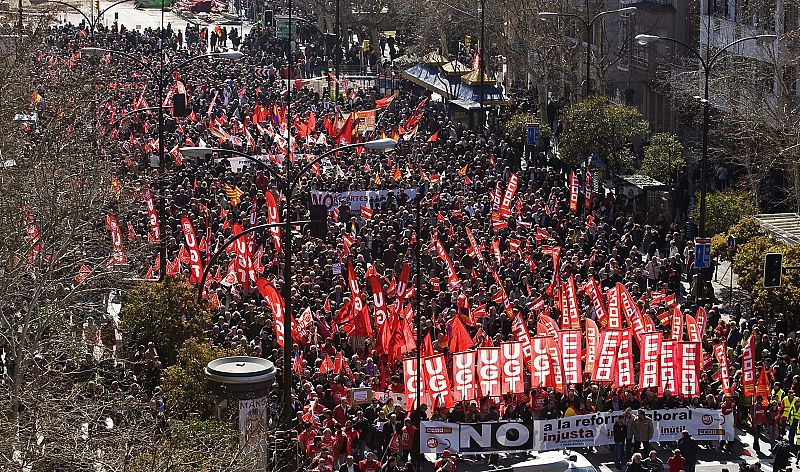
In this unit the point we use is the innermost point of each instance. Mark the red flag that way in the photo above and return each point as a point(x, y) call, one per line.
point(434, 137)
point(460, 339)
point(488, 370)
point(749, 367)
point(574, 188)
point(152, 218)
point(512, 361)
point(195, 264)
point(385, 101)
point(427, 346)
point(118, 253)
point(587, 191)
point(464, 387)
point(677, 325)
point(690, 355)
point(326, 366)
point(721, 354)
point(366, 213)
point(649, 357)
point(668, 371)
point(569, 341)
point(275, 303)
point(82, 274)
point(245, 271)
point(273, 217)
point(363, 325)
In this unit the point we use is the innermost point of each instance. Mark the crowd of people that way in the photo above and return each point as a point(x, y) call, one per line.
point(455, 168)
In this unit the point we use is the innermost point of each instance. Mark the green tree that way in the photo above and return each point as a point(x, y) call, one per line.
point(599, 126)
point(723, 209)
point(749, 265)
point(166, 313)
point(662, 156)
point(744, 231)
point(184, 384)
point(517, 129)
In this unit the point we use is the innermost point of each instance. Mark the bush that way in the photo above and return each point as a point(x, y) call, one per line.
point(723, 209)
point(166, 313)
point(662, 156)
point(744, 231)
point(597, 125)
point(749, 265)
point(517, 129)
point(184, 384)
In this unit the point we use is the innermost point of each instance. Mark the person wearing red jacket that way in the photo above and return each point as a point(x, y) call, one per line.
point(407, 450)
point(369, 464)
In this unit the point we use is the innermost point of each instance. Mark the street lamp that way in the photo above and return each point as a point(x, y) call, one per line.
point(288, 184)
point(160, 76)
point(707, 62)
point(92, 22)
point(588, 24)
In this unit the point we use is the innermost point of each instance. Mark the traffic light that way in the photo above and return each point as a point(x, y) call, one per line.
point(269, 18)
point(319, 221)
point(773, 268)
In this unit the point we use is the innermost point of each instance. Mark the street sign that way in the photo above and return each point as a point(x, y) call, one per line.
point(702, 253)
point(731, 242)
point(533, 134)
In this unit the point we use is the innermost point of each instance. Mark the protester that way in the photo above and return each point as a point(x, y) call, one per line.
point(677, 462)
point(688, 447)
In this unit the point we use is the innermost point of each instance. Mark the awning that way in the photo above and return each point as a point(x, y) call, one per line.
point(451, 87)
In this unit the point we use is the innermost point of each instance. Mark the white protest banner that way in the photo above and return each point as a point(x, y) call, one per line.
point(572, 432)
point(368, 198)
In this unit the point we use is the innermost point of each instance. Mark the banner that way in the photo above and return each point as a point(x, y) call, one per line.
point(118, 253)
point(690, 355)
point(570, 342)
point(513, 378)
point(437, 381)
point(590, 430)
point(412, 385)
point(749, 367)
point(508, 195)
point(275, 303)
point(721, 354)
point(381, 314)
point(592, 340)
point(488, 371)
point(624, 363)
point(593, 290)
point(574, 188)
point(648, 365)
point(608, 345)
point(243, 264)
point(195, 265)
point(520, 331)
point(464, 376)
point(587, 191)
point(452, 278)
point(614, 318)
point(668, 369)
point(357, 198)
point(152, 218)
point(273, 216)
point(540, 363)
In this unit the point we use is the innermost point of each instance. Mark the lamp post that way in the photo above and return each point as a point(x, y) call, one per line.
point(92, 22)
point(161, 76)
point(588, 24)
point(707, 62)
point(288, 184)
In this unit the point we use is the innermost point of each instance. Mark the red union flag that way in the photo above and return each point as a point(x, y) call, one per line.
point(692, 329)
point(593, 290)
point(667, 367)
point(511, 190)
point(489, 371)
point(541, 373)
point(631, 311)
point(721, 354)
point(366, 213)
point(273, 217)
point(624, 365)
point(676, 329)
point(437, 381)
point(588, 189)
point(381, 314)
point(118, 253)
point(275, 303)
point(648, 365)
point(464, 376)
point(512, 359)
point(452, 278)
point(496, 195)
point(592, 338)
point(749, 367)
point(608, 345)
point(555, 365)
point(195, 264)
point(243, 263)
point(570, 342)
point(152, 218)
point(574, 188)
point(411, 382)
point(573, 317)
point(702, 320)
point(690, 355)
point(614, 315)
point(521, 333)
